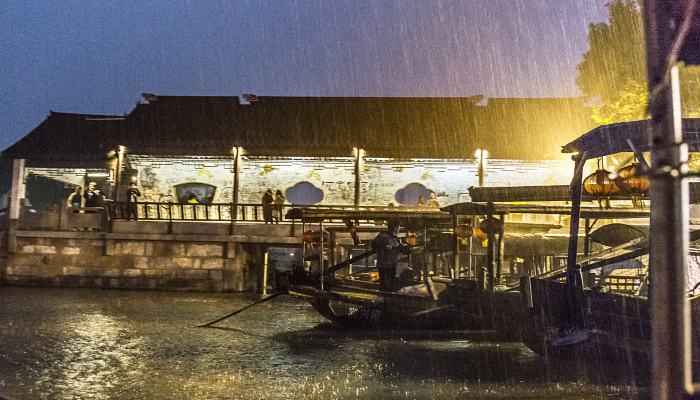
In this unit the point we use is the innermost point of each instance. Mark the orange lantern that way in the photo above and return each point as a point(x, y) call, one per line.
point(463, 231)
point(466, 231)
point(412, 240)
point(632, 180)
point(600, 183)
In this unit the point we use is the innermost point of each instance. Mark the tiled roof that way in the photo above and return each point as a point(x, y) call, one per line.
point(402, 127)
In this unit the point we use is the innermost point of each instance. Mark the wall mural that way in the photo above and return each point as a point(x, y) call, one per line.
point(411, 194)
point(195, 192)
point(304, 193)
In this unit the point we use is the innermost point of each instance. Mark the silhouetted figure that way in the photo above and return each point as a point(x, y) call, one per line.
point(388, 248)
point(267, 201)
point(192, 199)
point(279, 205)
point(132, 195)
point(432, 201)
point(421, 202)
point(75, 199)
point(90, 195)
point(98, 199)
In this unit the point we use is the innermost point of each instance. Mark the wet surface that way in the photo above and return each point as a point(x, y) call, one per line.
point(92, 344)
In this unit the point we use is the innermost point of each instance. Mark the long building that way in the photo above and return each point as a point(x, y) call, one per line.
point(308, 147)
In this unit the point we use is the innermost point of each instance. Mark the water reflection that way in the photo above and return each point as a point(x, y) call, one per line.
point(75, 344)
point(97, 351)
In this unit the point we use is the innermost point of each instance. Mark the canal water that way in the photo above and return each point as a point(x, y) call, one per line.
point(102, 344)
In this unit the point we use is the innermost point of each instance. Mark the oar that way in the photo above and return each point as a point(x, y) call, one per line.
point(264, 299)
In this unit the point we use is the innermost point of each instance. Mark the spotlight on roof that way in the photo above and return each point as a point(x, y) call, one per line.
point(149, 97)
point(249, 97)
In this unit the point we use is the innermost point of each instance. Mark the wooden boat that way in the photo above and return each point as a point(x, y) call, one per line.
point(340, 284)
point(587, 309)
point(460, 285)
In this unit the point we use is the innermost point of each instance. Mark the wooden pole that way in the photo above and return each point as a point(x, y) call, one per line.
point(236, 178)
point(358, 160)
point(118, 172)
point(266, 258)
point(320, 255)
point(575, 191)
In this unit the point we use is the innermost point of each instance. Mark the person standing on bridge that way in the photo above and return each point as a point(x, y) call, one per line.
point(279, 206)
point(388, 248)
point(132, 195)
point(267, 201)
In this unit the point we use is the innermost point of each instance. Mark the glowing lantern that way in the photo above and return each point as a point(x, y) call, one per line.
point(466, 231)
point(632, 180)
point(463, 231)
point(600, 183)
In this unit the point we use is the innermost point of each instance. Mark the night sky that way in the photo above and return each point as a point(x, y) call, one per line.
point(98, 56)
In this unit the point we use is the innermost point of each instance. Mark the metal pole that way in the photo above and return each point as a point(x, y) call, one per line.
point(670, 317)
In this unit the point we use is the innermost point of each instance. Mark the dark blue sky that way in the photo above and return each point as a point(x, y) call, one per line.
point(98, 56)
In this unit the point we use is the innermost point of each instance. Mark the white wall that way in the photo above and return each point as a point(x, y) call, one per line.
point(380, 178)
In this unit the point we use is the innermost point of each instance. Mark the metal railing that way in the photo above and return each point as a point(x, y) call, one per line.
point(161, 211)
point(243, 212)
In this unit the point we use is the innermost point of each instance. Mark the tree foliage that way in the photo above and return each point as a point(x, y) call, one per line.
point(613, 73)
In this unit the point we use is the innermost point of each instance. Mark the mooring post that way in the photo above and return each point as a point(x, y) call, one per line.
point(266, 257)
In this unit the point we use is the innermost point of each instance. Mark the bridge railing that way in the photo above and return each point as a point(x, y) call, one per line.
point(242, 212)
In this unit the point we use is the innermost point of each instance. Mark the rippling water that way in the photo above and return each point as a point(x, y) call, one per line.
point(92, 344)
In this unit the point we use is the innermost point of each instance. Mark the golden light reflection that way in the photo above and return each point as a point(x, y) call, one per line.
point(95, 357)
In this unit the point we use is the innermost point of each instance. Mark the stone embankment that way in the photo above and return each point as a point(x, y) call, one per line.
point(142, 255)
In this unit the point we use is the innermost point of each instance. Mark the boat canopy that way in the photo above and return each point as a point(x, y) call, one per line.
point(502, 209)
point(433, 216)
point(616, 138)
point(553, 193)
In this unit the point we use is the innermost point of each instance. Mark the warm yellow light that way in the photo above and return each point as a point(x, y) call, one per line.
point(358, 152)
point(237, 151)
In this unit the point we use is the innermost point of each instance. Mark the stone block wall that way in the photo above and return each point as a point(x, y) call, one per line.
point(80, 259)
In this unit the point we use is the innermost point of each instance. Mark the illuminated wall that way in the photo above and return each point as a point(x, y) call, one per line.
point(334, 177)
point(330, 180)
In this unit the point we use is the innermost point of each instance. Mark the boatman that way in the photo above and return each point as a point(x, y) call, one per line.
point(388, 248)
